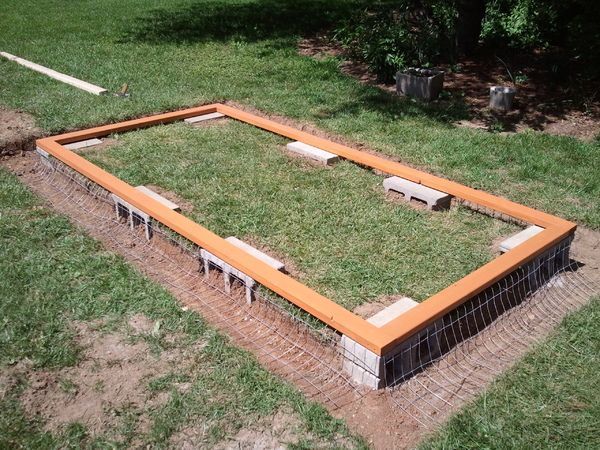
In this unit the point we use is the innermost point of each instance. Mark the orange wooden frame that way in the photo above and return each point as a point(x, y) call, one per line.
point(379, 340)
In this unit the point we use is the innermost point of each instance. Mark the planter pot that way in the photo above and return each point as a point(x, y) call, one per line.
point(501, 97)
point(425, 84)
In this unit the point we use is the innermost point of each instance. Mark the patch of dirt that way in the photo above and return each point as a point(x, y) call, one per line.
point(387, 419)
point(18, 132)
point(112, 376)
point(541, 103)
point(276, 432)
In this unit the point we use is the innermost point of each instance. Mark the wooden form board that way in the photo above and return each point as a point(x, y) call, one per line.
point(378, 340)
point(80, 84)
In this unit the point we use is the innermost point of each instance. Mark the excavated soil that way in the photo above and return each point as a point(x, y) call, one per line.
point(395, 418)
point(17, 132)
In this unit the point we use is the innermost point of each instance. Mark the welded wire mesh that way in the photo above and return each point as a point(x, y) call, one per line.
point(461, 353)
point(440, 366)
point(280, 336)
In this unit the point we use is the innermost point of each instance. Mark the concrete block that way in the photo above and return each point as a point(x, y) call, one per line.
point(361, 364)
point(209, 259)
point(434, 199)
point(391, 312)
point(83, 144)
point(314, 153)
point(426, 84)
point(159, 198)
point(277, 265)
point(204, 117)
point(137, 216)
point(519, 238)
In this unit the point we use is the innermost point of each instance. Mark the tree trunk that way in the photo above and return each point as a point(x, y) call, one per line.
point(468, 25)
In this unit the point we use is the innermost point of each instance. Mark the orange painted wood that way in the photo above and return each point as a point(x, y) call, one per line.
point(307, 299)
point(379, 340)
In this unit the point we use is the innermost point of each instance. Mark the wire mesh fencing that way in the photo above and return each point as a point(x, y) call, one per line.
point(426, 376)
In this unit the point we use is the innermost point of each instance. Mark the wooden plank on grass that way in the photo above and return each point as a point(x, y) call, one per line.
point(84, 85)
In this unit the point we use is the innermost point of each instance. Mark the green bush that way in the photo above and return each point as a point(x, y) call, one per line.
point(392, 36)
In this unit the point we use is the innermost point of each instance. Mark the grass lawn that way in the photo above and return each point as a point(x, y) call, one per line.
point(191, 52)
point(54, 277)
point(335, 225)
point(549, 400)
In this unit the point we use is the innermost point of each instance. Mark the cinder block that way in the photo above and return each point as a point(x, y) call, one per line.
point(204, 117)
point(133, 214)
point(363, 366)
point(159, 198)
point(519, 238)
point(277, 265)
point(83, 144)
point(411, 190)
point(391, 312)
point(229, 271)
point(314, 153)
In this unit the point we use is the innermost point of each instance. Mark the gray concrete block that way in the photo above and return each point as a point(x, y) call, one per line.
point(203, 117)
point(277, 265)
point(228, 271)
point(314, 153)
point(361, 364)
point(134, 215)
point(411, 190)
point(83, 144)
point(519, 238)
point(391, 312)
point(159, 198)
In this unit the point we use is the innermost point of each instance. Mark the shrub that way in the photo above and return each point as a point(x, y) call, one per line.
point(406, 33)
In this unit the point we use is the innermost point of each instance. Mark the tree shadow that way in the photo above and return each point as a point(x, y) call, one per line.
point(248, 21)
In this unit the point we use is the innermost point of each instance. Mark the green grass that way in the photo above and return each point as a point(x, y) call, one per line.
point(175, 54)
point(188, 52)
point(551, 399)
point(53, 275)
point(334, 224)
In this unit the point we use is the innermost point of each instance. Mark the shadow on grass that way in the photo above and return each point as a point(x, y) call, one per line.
point(238, 19)
point(278, 20)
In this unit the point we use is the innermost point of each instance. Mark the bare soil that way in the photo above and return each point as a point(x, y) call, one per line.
point(112, 376)
point(18, 132)
point(543, 104)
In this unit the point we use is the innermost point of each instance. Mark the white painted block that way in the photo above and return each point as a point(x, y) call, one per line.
point(412, 190)
point(313, 153)
point(519, 238)
point(83, 85)
point(391, 312)
point(277, 265)
point(159, 198)
point(83, 144)
point(204, 117)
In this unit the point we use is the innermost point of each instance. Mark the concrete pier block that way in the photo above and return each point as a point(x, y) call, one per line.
point(137, 216)
point(368, 368)
point(159, 198)
point(83, 144)
point(277, 265)
point(314, 153)
point(434, 199)
point(204, 117)
point(228, 271)
point(519, 238)
point(391, 312)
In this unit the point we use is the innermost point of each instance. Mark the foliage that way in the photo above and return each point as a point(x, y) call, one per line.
point(390, 37)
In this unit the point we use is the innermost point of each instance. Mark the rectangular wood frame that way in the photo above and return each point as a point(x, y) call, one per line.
point(379, 340)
